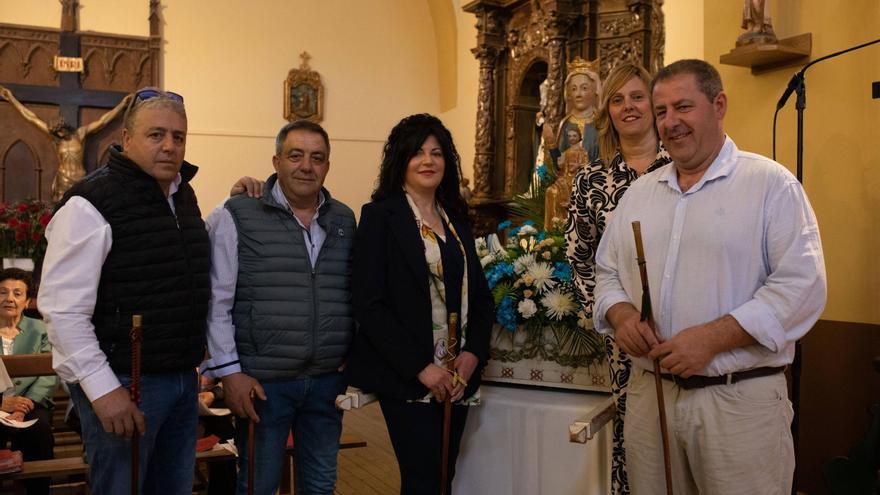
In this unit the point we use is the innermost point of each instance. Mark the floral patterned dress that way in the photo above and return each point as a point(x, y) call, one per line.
point(596, 191)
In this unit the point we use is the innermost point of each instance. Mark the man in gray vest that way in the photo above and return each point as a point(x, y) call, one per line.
point(280, 321)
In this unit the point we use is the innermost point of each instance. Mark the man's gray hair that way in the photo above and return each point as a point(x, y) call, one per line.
point(300, 125)
point(160, 101)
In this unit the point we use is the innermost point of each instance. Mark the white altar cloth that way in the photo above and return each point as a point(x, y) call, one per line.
point(516, 443)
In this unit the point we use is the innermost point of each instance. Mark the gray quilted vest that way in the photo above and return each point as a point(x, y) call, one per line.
point(291, 320)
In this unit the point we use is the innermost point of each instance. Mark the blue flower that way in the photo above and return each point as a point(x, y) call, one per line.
point(562, 271)
point(514, 231)
point(542, 172)
point(503, 225)
point(529, 222)
point(498, 272)
point(505, 313)
point(541, 236)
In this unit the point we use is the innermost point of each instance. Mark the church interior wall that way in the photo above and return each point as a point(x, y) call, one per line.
point(841, 121)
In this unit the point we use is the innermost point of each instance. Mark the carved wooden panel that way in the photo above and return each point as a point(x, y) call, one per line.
point(26, 55)
point(27, 157)
point(98, 144)
point(118, 63)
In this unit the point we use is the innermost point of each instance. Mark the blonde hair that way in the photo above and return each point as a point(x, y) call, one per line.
point(608, 138)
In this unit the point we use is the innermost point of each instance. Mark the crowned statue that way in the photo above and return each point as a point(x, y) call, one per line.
point(574, 143)
point(582, 88)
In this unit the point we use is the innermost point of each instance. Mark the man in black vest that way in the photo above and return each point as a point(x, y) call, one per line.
point(129, 239)
point(281, 320)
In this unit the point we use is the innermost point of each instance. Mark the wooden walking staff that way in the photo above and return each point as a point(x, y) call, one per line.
point(447, 404)
point(648, 316)
point(250, 452)
point(135, 394)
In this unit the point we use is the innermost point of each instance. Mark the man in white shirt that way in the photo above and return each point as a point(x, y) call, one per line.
point(280, 319)
point(736, 276)
point(129, 240)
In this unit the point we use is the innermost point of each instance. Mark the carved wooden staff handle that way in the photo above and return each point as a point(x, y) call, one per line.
point(648, 316)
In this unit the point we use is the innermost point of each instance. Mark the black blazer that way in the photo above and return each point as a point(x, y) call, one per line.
point(392, 303)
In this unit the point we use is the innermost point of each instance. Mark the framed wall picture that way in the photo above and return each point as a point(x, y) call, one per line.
point(303, 93)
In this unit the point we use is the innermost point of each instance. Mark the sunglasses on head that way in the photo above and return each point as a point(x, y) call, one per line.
point(146, 94)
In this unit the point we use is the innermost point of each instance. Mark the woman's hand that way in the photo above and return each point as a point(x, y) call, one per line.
point(206, 398)
point(253, 187)
point(14, 404)
point(16, 416)
point(465, 364)
point(438, 380)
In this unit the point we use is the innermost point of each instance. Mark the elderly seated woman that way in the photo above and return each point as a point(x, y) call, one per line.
point(31, 398)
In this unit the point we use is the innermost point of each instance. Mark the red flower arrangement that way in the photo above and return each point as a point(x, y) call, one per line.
point(23, 229)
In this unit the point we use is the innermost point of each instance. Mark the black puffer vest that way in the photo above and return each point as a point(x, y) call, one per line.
point(158, 267)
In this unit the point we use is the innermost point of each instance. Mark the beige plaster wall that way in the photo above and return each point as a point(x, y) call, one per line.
point(841, 130)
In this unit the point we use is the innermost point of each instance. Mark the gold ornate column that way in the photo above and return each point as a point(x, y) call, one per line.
point(490, 42)
point(557, 29)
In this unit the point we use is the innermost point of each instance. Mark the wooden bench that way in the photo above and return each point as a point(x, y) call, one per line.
point(75, 467)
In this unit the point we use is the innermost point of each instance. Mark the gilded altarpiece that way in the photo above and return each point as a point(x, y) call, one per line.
point(520, 43)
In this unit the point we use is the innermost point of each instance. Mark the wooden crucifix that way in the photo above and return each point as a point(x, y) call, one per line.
point(72, 93)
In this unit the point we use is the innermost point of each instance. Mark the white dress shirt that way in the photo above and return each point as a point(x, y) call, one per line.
point(224, 275)
point(79, 242)
point(742, 241)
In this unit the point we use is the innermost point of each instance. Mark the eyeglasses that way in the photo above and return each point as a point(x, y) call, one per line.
point(149, 93)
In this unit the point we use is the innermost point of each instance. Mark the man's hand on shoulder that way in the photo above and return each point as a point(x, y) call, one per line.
point(239, 391)
point(634, 336)
point(248, 185)
point(690, 351)
point(118, 414)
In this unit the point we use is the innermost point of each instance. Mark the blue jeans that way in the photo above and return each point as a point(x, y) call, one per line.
point(167, 449)
point(306, 406)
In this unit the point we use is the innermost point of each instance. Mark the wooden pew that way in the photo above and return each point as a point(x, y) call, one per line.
point(41, 365)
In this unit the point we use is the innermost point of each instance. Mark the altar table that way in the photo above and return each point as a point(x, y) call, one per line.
point(516, 443)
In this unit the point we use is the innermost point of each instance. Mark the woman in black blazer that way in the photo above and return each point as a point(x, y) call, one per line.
point(415, 263)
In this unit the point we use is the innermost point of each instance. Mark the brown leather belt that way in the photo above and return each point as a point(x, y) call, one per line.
point(699, 381)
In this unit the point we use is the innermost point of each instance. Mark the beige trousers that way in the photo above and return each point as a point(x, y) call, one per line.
point(725, 439)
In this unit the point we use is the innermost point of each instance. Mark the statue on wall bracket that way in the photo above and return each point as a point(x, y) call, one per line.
point(303, 93)
point(756, 22)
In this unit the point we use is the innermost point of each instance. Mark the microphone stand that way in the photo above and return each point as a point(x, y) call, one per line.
point(797, 85)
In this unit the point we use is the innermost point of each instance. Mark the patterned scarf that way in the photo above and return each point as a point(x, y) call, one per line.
point(437, 289)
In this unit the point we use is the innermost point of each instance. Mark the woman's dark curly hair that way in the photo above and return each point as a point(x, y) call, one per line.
point(404, 142)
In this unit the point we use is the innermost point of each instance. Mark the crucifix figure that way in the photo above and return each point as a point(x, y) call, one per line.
point(69, 142)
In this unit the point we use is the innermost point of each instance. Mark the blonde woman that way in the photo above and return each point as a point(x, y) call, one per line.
point(628, 147)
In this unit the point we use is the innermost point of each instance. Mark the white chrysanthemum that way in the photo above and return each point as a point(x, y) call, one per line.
point(523, 263)
point(559, 304)
point(542, 276)
point(526, 230)
point(527, 308)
